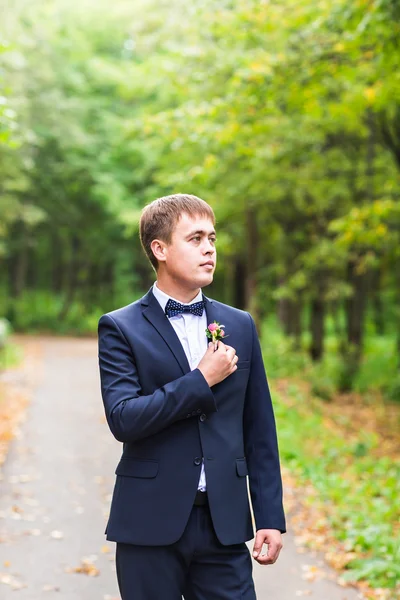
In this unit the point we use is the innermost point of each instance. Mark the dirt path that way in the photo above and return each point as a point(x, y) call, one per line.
point(55, 490)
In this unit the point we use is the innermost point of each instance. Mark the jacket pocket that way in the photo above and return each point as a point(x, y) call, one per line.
point(241, 467)
point(242, 364)
point(137, 467)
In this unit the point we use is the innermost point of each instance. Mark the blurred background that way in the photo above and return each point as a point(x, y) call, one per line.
point(285, 117)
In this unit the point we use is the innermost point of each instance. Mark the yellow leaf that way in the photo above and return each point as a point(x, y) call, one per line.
point(370, 94)
point(381, 229)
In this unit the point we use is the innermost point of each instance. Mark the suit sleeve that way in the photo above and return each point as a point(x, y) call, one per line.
point(261, 445)
point(132, 416)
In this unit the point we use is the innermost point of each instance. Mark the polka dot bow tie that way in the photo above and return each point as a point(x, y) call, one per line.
point(173, 308)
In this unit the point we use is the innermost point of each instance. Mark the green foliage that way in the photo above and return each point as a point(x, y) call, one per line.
point(39, 312)
point(393, 388)
point(362, 491)
point(9, 352)
point(282, 116)
point(5, 330)
point(378, 371)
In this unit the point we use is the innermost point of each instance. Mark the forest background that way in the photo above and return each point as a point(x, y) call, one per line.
point(285, 117)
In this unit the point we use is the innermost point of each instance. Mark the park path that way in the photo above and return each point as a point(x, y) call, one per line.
point(55, 491)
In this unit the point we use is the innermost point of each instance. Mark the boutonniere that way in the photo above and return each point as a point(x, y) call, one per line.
point(215, 332)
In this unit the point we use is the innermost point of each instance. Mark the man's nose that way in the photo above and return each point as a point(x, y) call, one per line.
point(208, 247)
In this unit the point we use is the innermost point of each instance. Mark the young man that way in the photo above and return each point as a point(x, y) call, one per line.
point(195, 419)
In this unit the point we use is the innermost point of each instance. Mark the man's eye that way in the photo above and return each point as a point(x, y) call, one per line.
point(213, 240)
point(196, 237)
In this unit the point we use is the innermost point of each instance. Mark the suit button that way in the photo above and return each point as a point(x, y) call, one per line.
point(197, 461)
point(194, 413)
point(203, 417)
point(188, 416)
point(198, 411)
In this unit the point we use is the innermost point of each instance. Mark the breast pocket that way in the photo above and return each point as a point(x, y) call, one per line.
point(242, 364)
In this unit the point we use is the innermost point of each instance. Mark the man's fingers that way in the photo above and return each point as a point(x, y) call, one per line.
point(258, 544)
point(230, 353)
point(272, 555)
point(274, 552)
point(273, 540)
point(230, 349)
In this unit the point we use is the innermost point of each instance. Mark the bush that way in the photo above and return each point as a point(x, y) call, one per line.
point(393, 389)
point(37, 312)
point(5, 330)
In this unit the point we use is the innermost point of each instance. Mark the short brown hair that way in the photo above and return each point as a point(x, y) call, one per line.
point(158, 219)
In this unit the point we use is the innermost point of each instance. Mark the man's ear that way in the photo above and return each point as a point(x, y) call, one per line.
point(159, 248)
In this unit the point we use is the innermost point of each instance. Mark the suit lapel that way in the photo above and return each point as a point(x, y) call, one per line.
point(212, 311)
point(153, 312)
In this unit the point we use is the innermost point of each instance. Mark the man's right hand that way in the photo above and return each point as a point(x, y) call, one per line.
point(217, 364)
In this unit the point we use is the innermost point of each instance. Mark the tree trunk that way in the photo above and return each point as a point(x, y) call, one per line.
point(71, 279)
point(397, 280)
point(317, 327)
point(377, 304)
point(355, 312)
point(252, 265)
point(336, 310)
point(239, 283)
point(18, 265)
point(289, 315)
point(355, 306)
point(56, 243)
point(295, 321)
point(284, 313)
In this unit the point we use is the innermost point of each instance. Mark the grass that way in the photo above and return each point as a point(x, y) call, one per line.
point(38, 312)
point(10, 355)
point(347, 447)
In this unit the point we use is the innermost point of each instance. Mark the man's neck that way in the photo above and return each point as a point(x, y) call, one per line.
point(175, 291)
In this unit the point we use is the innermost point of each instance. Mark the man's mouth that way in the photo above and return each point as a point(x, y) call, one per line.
point(208, 264)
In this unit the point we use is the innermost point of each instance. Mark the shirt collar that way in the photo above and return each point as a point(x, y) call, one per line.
point(163, 298)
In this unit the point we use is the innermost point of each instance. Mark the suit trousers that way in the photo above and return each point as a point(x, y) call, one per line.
point(197, 567)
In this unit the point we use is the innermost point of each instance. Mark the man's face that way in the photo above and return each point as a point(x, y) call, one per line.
point(190, 258)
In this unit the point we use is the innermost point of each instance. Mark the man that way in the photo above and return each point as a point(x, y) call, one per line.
point(195, 418)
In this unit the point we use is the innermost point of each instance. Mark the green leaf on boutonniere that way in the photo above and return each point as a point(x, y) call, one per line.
point(215, 332)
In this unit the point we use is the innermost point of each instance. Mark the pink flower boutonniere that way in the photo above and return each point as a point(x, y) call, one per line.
point(215, 332)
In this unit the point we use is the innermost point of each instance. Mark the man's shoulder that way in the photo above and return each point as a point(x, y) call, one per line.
point(231, 311)
point(124, 313)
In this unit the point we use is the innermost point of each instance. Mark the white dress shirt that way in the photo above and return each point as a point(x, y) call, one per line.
point(191, 330)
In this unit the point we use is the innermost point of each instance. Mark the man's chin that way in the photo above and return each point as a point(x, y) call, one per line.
point(206, 280)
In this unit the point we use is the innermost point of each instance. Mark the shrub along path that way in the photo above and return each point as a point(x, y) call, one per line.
point(55, 490)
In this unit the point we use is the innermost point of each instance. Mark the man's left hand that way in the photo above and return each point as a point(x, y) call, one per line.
point(273, 539)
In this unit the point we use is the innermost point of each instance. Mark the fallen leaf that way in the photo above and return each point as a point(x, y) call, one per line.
point(86, 568)
point(57, 535)
point(12, 582)
point(35, 532)
point(50, 588)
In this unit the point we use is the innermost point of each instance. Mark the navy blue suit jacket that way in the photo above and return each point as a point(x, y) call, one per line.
point(168, 419)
